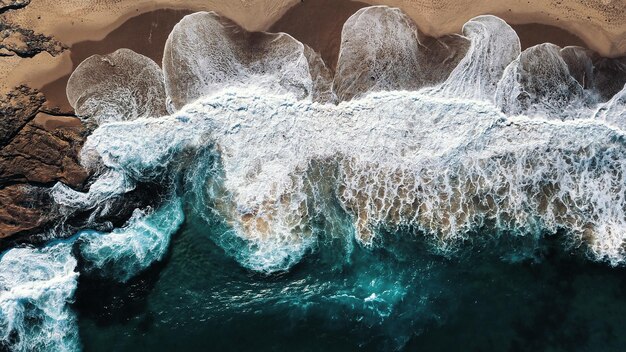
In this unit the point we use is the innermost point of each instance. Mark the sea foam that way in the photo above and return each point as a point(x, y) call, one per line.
point(36, 288)
point(125, 252)
point(260, 136)
point(444, 166)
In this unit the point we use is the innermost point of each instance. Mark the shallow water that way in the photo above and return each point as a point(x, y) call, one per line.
point(399, 295)
point(483, 208)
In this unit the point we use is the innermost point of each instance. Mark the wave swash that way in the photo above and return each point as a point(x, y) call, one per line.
point(450, 138)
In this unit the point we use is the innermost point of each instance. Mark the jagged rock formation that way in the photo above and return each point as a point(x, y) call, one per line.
point(15, 40)
point(37, 149)
point(17, 108)
point(44, 151)
point(24, 208)
point(6, 5)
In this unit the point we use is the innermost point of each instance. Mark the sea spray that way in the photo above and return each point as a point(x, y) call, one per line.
point(126, 251)
point(36, 287)
point(446, 167)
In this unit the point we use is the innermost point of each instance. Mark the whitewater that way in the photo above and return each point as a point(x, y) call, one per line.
point(286, 156)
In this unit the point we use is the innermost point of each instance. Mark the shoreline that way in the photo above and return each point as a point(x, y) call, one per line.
point(94, 25)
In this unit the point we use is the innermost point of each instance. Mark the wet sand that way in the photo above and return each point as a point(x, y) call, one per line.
point(93, 27)
point(318, 24)
point(535, 33)
point(149, 33)
point(315, 23)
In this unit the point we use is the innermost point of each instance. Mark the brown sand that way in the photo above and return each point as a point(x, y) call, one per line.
point(51, 122)
point(534, 33)
point(318, 24)
point(89, 26)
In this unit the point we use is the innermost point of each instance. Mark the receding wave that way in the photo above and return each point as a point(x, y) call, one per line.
point(451, 138)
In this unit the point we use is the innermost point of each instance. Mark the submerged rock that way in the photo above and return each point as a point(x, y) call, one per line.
point(24, 208)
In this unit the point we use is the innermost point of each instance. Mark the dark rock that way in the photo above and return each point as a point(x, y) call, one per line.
point(6, 5)
point(23, 208)
point(16, 109)
point(37, 149)
point(45, 151)
point(15, 40)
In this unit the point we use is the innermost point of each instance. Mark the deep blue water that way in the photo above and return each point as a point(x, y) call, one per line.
point(513, 295)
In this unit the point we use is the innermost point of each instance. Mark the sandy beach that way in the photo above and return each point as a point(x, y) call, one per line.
point(95, 27)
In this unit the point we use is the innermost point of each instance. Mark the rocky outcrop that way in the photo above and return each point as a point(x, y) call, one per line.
point(23, 208)
point(15, 40)
point(38, 147)
point(16, 109)
point(6, 5)
point(44, 151)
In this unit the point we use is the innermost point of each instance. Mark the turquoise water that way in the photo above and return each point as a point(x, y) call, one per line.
point(502, 179)
point(399, 295)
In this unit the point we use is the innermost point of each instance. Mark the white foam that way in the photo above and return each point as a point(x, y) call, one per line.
point(614, 111)
point(382, 50)
point(446, 166)
point(125, 252)
point(205, 53)
point(494, 44)
point(539, 83)
point(119, 86)
point(443, 160)
point(36, 287)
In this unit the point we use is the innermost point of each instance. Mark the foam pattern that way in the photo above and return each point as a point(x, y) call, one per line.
point(119, 86)
point(127, 251)
point(446, 167)
point(206, 52)
point(614, 111)
point(494, 45)
point(382, 50)
point(36, 288)
point(538, 82)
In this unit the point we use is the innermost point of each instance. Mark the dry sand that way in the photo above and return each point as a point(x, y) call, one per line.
point(96, 26)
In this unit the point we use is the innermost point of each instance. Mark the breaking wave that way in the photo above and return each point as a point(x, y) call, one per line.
point(36, 288)
point(453, 138)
